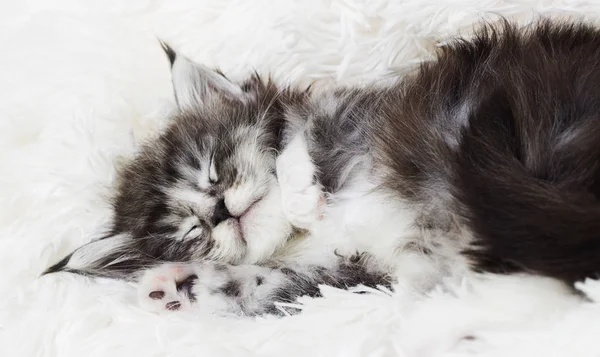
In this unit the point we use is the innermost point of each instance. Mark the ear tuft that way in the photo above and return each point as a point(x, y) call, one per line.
point(60, 266)
point(111, 257)
point(195, 84)
point(171, 54)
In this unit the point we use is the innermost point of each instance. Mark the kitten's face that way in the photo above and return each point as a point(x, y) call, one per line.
point(206, 188)
point(209, 181)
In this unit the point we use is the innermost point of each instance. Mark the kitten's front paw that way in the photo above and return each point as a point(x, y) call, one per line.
point(209, 286)
point(167, 287)
point(302, 198)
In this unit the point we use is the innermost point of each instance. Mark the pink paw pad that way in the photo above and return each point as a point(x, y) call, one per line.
point(167, 287)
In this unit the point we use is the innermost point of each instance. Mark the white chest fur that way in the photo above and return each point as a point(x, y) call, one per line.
point(361, 217)
point(365, 219)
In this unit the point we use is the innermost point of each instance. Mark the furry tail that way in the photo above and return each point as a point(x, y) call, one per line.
point(532, 200)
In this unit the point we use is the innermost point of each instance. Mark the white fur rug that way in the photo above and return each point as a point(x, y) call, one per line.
point(81, 82)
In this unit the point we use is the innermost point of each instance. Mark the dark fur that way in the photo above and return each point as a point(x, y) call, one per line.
point(500, 133)
point(525, 176)
point(349, 273)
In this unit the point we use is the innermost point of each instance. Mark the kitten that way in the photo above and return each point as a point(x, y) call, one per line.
point(485, 159)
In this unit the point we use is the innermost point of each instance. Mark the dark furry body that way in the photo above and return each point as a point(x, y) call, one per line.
point(500, 135)
point(503, 133)
point(525, 175)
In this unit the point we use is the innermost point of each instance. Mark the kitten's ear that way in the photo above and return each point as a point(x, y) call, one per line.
point(194, 83)
point(112, 257)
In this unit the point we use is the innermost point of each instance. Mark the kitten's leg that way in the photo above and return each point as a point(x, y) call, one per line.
point(247, 289)
point(302, 198)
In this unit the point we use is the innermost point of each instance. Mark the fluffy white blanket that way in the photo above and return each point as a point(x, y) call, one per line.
point(83, 81)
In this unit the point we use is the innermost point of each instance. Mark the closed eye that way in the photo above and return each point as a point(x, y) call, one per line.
point(194, 232)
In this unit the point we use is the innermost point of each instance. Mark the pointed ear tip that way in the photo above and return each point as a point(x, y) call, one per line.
point(53, 269)
point(60, 266)
point(171, 54)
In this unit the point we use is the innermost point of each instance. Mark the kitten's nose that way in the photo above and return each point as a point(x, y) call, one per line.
point(221, 213)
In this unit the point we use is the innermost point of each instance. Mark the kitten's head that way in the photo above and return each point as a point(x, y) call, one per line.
point(206, 187)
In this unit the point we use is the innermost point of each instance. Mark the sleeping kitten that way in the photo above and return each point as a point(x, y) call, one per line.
point(485, 159)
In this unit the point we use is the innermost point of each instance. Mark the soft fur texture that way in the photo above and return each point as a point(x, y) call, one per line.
point(484, 159)
point(424, 327)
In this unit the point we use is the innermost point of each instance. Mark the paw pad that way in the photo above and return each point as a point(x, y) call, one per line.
point(156, 295)
point(173, 305)
point(167, 287)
